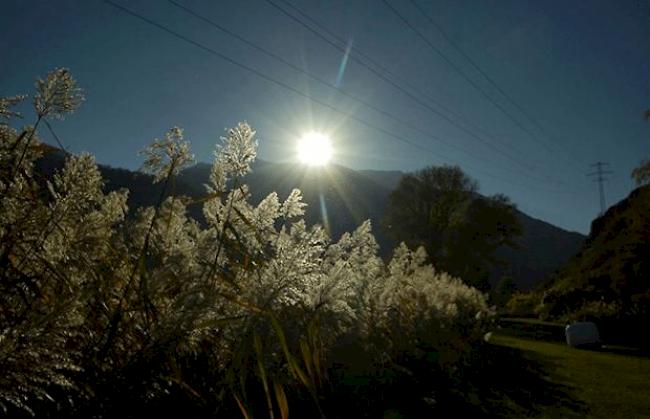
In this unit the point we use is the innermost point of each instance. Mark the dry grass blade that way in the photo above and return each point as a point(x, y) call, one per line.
point(242, 408)
point(307, 359)
point(262, 371)
point(281, 399)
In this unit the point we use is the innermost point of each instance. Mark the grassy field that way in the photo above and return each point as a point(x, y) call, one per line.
point(585, 383)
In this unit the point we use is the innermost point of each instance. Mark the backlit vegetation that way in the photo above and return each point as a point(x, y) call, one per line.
point(252, 312)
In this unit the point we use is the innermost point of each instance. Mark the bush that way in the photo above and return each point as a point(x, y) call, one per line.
point(523, 304)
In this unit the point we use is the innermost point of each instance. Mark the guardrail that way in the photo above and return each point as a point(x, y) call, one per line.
point(532, 328)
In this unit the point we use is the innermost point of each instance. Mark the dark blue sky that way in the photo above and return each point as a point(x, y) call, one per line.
point(581, 68)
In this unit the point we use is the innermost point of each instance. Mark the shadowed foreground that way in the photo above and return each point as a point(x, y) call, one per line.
point(595, 384)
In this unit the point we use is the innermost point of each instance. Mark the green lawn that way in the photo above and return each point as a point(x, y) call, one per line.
point(596, 384)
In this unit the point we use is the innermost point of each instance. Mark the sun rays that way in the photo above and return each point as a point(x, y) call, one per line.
point(315, 149)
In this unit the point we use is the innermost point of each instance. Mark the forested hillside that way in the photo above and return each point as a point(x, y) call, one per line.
point(609, 279)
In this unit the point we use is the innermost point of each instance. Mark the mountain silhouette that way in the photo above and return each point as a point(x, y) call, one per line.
point(340, 199)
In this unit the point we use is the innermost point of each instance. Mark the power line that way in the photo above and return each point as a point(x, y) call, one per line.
point(324, 82)
point(413, 97)
point(358, 52)
point(298, 92)
point(464, 75)
point(486, 76)
point(56, 137)
point(262, 75)
point(316, 78)
point(599, 175)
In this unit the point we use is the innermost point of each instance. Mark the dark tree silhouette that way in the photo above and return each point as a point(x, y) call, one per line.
point(440, 209)
point(641, 174)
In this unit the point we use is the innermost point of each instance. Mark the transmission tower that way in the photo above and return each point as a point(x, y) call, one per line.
point(599, 175)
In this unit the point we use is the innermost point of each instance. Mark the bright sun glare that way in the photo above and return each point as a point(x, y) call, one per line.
point(314, 149)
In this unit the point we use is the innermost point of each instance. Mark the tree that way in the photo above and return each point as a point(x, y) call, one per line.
point(440, 209)
point(641, 174)
point(504, 290)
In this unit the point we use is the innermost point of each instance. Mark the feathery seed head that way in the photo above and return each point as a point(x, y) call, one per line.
point(167, 157)
point(58, 94)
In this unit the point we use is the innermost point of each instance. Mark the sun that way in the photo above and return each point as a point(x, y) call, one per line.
point(314, 149)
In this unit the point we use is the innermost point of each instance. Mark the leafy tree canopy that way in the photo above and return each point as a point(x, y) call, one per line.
point(440, 209)
point(641, 174)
